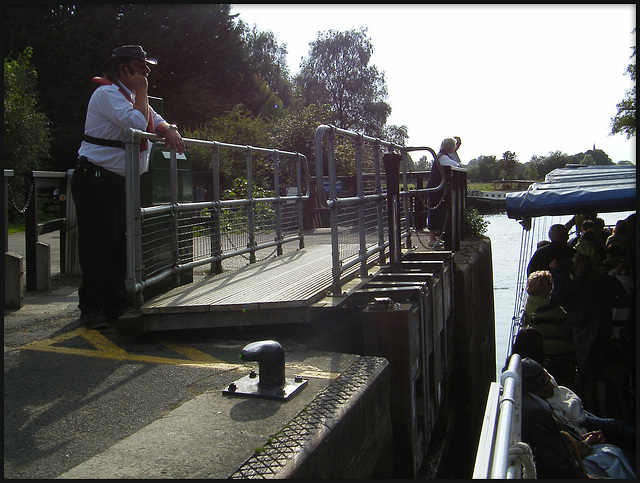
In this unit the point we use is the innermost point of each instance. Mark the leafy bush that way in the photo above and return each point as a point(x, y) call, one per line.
point(475, 224)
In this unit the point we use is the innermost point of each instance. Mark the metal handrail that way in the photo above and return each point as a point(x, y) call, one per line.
point(508, 427)
point(450, 178)
point(135, 281)
point(502, 427)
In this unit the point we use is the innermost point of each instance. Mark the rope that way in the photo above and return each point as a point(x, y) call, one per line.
point(522, 452)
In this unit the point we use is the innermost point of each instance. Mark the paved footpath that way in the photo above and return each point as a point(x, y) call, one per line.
point(73, 396)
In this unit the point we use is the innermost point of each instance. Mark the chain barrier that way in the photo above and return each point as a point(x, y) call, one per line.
point(28, 198)
point(439, 237)
point(243, 255)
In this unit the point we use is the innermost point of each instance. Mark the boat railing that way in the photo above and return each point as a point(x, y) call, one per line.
point(500, 453)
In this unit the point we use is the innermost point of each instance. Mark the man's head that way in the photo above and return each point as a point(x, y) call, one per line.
point(127, 60)
point(558, 233)
point(535, 379)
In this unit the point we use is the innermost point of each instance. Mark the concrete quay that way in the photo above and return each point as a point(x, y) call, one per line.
point(88, 404)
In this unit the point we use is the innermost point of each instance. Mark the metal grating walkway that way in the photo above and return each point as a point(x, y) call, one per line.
point(293, 280)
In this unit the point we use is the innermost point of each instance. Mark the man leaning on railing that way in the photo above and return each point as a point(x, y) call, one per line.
point(98, 182)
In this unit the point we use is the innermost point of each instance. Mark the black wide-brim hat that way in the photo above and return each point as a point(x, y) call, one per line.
point(128, 52)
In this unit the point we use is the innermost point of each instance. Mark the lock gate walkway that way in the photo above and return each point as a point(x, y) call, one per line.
point(276, 290)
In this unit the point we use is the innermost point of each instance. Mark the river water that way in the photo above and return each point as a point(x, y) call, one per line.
point(505, 235)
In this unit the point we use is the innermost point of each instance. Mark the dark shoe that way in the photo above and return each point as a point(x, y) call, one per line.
point(94, 321)
point(114, 313)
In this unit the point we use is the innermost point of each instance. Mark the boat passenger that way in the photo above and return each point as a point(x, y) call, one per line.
point(559, 451)
point(557, 249)
point(578, 219)
point(620, 237)
point(631, 225)
point(590, 226)
point(548, 317)
point(565, 403)
point(614, 258)
point(588, 245)
point(588, 298)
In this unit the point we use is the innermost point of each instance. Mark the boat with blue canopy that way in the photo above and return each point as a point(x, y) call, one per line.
point(568, 191)
point(576, 189)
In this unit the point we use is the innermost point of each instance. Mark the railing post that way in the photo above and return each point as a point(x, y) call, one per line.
point(406, 201)
point(175, 215)
point(133, 235)
point(216, 215)
point(392, 169)
point(361, 219)
point(31, 230)
point(278, 202)
point(334, 206)
point(8, 173)
point(251, 207)
point(299, 205)
point(379, 203)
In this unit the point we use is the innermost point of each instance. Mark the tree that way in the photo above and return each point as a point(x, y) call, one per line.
point(625, 120)
point(202, 73)
point(592, 157)
point(235, 127)
point(296, 130)
point(508, 166)
point(337, 72)
point(269, 60)
point(396, 134)
point(483, 169)
point(26, 129)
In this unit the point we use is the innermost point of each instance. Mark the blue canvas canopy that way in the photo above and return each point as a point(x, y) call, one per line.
point(577, 189)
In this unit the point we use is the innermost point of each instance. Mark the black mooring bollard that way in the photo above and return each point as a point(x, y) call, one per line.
point(270, 357)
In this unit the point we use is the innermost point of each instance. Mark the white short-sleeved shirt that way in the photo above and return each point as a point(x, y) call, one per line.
point(109, 113)
point(446, 160)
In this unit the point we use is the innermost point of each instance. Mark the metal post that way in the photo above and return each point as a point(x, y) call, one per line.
point(31, 231)
point(361, 220)
point(406, 201)
point(216, 215)
point(133, 235)
point(333, 212)
point(391, 167)
point(379, 203)
point(251, 207)
point(278, 202)
point(8, 173)
point(299, 205)
point(173, 180)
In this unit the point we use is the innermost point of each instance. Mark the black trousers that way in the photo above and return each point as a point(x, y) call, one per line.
point(100, 198)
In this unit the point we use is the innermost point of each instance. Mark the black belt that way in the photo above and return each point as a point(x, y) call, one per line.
point(111, 143)
point(87, 167)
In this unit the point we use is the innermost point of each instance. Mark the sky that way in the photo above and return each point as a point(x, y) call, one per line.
point(527, 79)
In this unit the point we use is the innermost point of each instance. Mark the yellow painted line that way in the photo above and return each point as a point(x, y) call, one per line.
point(105, 349)
point(190, 352)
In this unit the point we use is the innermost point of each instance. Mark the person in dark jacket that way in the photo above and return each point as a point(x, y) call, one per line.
point(552, 456)
point(556, 250)
point(589, 298)
point(558, 451)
